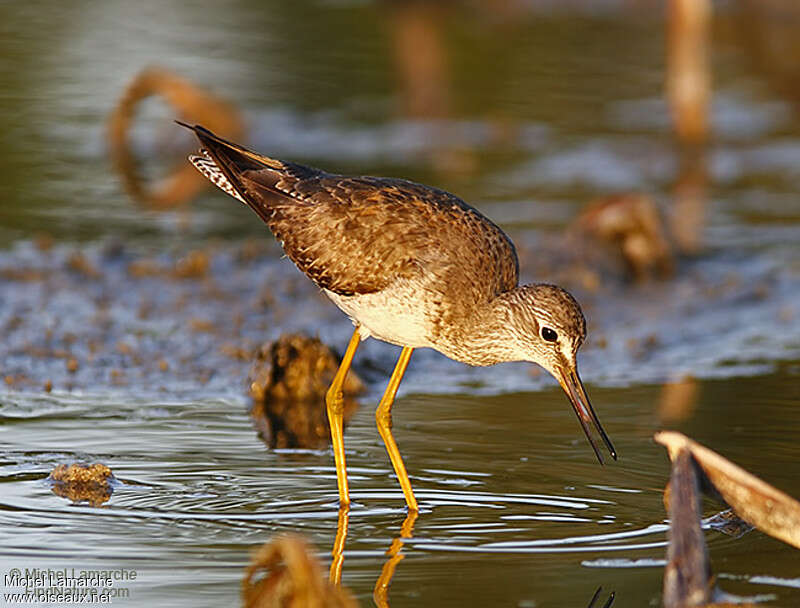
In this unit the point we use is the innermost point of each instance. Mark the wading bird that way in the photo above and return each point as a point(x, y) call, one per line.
point(411, 265)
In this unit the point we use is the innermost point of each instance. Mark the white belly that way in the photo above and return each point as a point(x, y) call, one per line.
point(394, 315)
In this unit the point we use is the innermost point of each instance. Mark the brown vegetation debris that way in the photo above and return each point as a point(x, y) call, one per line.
point(288, 382)
point(236, 351)
point(77, 262)
point(688, 581)
point(189, 101)
point(82, 482)
point(141, 269)
point(9, 380)
point(285, 574)
point(687, 575)
point(688, 68)
point(632, 226)
point(755, 501)
point(124, 348)
point(118, 377)
point(194, 265)
point(27, 275)
point(202, 325)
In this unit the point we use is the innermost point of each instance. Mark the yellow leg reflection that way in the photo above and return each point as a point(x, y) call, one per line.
point(338, 546)
point(383, 417)
point(381, 592)
point(335, 403)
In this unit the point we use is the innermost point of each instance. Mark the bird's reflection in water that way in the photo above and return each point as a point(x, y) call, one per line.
point(596, 596)
point(338, 546)
point(380, 593)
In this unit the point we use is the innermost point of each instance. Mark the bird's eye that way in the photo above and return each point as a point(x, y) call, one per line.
point(549, 334)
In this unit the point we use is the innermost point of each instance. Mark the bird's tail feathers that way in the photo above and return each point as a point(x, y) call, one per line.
point(204, 163)
point(221, 161)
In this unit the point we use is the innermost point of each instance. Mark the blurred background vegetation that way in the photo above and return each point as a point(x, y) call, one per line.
point(549, 116)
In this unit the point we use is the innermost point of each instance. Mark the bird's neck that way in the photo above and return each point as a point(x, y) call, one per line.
point(491, 337)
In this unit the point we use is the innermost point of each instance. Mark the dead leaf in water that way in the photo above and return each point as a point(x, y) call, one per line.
point(754, 500)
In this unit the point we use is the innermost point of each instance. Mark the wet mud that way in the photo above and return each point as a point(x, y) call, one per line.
point(192, 321)
point(104, 317)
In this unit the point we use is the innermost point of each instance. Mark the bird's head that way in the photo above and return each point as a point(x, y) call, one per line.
point(548, 328)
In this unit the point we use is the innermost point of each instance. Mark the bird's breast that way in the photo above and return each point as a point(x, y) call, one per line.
point(398, 314)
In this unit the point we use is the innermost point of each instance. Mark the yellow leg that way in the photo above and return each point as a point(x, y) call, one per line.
point(335, 403)
point(338, 546)
point(383, 416)
point(380, 594)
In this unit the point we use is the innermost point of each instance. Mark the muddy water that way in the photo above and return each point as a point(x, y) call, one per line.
point(536, 113)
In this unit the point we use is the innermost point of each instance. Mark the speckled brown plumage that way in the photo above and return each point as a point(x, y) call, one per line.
point(354, 235)
point(411, 265)
point(359, 235)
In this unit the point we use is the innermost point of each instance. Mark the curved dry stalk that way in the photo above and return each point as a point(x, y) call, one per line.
point(755, 501)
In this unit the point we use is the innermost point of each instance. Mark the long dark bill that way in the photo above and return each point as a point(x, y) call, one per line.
point(572, 385)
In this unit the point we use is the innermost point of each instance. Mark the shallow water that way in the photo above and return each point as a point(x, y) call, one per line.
point(513, 507)
point(545, 109)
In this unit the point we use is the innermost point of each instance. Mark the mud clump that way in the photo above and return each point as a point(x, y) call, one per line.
point(288, 382)
point(285, 573)
point(92, 483)
point(630, 227)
